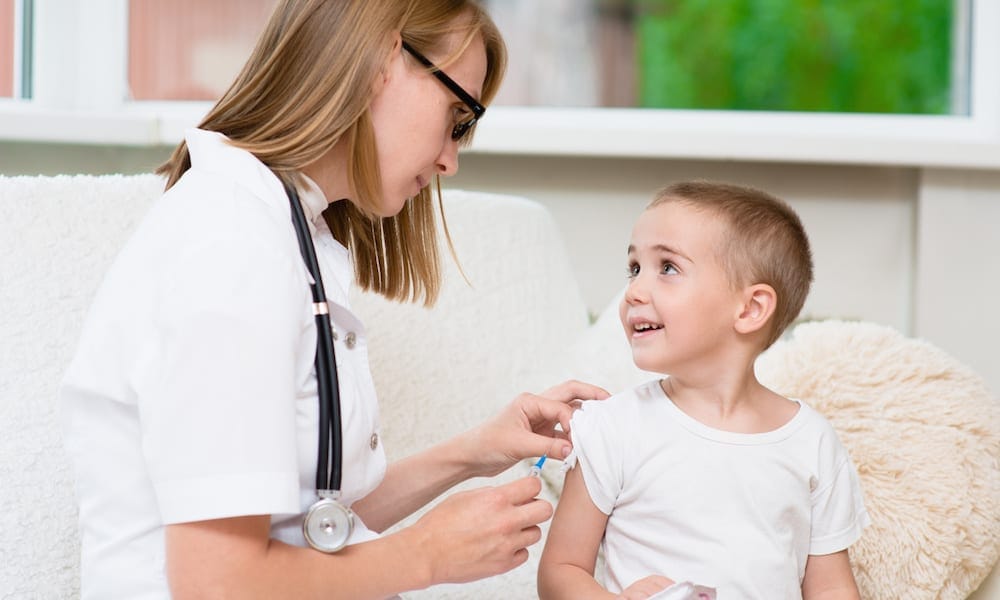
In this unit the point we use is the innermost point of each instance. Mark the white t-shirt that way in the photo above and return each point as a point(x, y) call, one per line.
point(192, 394)
point(737, 512)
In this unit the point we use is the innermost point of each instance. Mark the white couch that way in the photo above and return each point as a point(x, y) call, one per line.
point(521, 325)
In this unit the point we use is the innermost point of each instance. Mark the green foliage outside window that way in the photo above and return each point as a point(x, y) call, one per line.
point(871, 56)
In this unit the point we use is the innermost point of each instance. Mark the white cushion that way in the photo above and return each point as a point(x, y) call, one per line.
point(442, 370)
point(58, 236)
point(439, 371)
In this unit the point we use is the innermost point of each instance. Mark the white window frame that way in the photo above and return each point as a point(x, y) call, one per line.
point(16, 55)
point(80, 96)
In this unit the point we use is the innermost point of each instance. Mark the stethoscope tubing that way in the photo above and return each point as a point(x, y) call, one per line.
point(329, 462)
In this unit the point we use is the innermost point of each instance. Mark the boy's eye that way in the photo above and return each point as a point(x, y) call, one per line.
point(633, 270)
point(669, 268)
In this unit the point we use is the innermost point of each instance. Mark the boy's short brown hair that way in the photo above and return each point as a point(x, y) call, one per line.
point(764, 242)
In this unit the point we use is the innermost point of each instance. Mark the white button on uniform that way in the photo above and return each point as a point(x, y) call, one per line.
point(350, 340)
point(374, 441)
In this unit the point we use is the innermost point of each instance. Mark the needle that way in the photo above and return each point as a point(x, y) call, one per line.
point(536, 469)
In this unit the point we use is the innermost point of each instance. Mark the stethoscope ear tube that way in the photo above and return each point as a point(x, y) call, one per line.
point(328, 524)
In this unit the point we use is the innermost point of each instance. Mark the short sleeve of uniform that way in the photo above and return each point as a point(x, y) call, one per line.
point(598, 452)
point(217, 392)
point(838, 510)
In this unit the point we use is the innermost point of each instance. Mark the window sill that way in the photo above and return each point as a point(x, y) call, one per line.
point(955, 142)
point(939, 141)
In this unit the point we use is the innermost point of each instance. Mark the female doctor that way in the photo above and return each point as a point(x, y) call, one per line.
point(209, 449)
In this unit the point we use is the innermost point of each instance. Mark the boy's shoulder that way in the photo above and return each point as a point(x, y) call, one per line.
point(811, 416)
point(820, 432)
point(644, 392)
point(622, 405)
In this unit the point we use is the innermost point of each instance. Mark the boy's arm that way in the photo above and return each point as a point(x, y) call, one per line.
point(829, 577)
point(566, 569)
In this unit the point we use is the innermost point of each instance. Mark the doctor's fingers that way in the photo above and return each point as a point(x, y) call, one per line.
point(556, 404)
point(512, 520)
point(543, 412)
point(520, 491)
point(529, 510)
point(503, 509)
point(519, 528)
point(571, 390)
point(526, 537)
point(532, 514)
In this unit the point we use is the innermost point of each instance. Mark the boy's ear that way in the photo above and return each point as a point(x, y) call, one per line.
point(759, 303)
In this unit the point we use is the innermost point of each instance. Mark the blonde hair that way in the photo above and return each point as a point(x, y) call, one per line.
point(308, 85)
point(764, 242)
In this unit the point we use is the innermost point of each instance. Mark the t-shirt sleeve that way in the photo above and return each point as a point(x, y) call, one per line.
point(598, 453)
point(838, 510)
point(217, 392)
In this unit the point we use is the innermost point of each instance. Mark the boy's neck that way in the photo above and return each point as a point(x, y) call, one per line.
point(735, 402)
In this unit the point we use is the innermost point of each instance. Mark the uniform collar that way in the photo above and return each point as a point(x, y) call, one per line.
point(212, 152)
point(313, 200)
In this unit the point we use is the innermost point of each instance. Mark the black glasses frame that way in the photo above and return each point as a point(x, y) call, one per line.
point(460, 129)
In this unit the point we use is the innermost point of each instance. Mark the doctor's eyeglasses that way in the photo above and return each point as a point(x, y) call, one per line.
point(460, 129)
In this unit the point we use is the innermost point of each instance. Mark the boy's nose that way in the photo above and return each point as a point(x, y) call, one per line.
point(636, 292)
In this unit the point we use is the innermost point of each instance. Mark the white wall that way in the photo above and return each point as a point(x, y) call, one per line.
point(23, 158)
point(912, 248)
point(958, 266)
point(916, 249)
point(860, 220)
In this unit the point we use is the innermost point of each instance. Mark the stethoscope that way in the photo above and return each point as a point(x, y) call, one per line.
point(328, 523)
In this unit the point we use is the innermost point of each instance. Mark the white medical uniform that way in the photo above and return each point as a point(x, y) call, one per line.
point(193, 394)
point(734, 511)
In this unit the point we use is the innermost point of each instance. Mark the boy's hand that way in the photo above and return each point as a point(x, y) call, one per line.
point(645, 587)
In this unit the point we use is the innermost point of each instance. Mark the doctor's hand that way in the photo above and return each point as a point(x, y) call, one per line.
point(480, 533)
point(526, 428)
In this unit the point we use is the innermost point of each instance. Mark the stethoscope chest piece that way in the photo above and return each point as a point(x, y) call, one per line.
point(328, 525)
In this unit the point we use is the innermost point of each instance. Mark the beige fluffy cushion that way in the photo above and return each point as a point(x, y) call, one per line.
point(924, 433)
point(922, 429)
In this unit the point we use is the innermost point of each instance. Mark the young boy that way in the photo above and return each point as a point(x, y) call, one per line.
point(706, 476)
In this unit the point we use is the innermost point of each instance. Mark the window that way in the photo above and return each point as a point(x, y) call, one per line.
point(139, 72)
point(190, 49)
point(6, 48)
point(898, 57)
